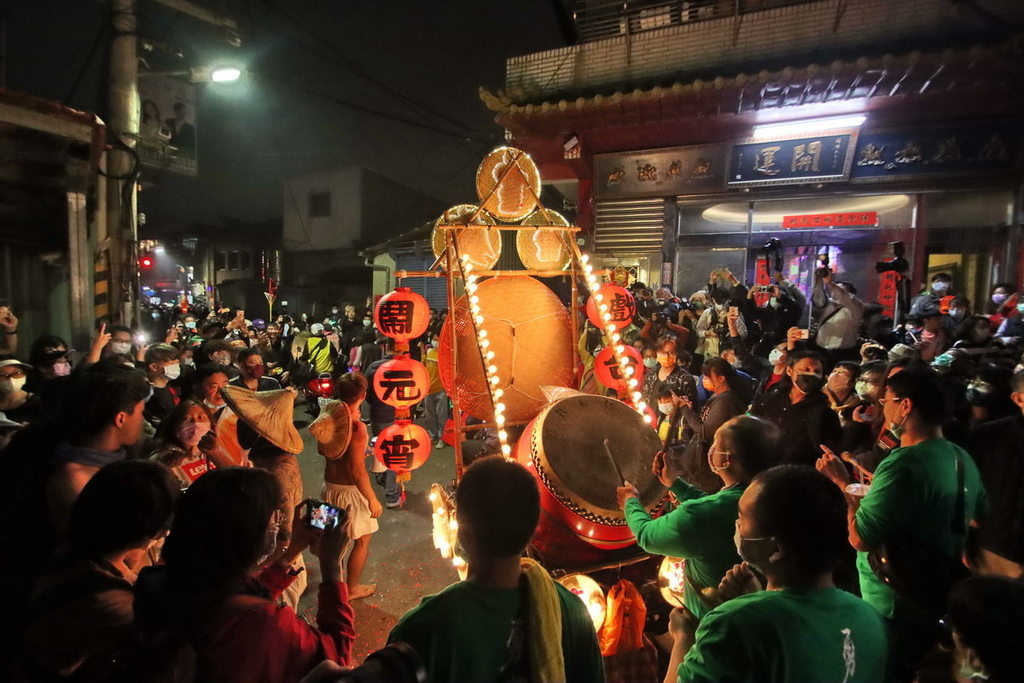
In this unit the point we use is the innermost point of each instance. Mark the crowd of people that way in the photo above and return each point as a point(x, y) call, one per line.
point(844, 488)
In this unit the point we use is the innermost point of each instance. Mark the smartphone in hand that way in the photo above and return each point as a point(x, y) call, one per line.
point(320, 515)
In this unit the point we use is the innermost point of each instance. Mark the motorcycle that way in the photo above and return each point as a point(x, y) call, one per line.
point(319, 391)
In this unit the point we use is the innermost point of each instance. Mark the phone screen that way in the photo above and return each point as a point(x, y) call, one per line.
point(322, 515)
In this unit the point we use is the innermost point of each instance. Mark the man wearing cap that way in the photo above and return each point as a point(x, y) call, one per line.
point(17, 404)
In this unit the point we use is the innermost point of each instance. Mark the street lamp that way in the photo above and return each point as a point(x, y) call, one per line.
point(222, 73)
point(225, 74)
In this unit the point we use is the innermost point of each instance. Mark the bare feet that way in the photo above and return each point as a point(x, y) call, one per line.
point(362, 591)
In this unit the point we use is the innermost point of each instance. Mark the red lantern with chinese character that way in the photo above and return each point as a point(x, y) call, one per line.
point(610, 374)
point(401, 382)
point(402, 315)
point(621, 306)
point(403, 446)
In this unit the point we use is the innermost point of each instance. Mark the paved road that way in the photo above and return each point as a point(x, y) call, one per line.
point(403, 561)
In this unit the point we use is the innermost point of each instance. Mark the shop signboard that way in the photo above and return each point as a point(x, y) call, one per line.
point(820, 159)
point(660, 172)
point(949, 151)
point(831, 220)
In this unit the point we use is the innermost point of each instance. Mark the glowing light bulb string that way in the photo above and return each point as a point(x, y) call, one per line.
point(476, 318)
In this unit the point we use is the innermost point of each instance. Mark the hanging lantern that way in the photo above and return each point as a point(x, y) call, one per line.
point(672, 580)
point(589, 591)
point(616, 302)
point(402, 315)
point(609, 372)
point(402, 446)
point(401, 382)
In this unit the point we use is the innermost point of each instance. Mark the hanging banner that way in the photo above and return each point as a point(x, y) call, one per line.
point(167, 125)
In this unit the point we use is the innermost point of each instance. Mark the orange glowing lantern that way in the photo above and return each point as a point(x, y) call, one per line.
point(619, 305)
point(401, 382)
point(402, 315)
point(607, 369)
point(402, 446)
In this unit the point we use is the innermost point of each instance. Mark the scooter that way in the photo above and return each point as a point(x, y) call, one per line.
point(319, 391)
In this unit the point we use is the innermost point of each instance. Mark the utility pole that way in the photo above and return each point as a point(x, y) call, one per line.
point(121, 243)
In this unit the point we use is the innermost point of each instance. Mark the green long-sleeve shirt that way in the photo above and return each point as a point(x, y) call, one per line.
point(700, 530)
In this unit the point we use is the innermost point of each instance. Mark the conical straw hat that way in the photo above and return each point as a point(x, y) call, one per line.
point(333, 428)
point(268, 413)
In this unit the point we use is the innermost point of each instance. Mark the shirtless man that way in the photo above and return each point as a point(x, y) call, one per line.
point(346, 481)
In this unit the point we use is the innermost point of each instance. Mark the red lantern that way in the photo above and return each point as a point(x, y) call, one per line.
point(401, 382)
point(621, 306)
point(402, 315)
point(403, 446)
point(610, 374)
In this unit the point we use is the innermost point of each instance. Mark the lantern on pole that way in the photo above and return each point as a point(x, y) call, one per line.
point(610, 373)
point(402, 315)
point(611, 304)
point(401, 382)
point(402, 446)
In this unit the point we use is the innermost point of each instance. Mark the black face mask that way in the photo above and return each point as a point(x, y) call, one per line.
point(809, 383)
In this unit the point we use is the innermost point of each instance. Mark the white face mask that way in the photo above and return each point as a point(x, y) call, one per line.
point(172, 371)
point(940, 287)
point(61, 368)
point(775, 357)
point(665, 408)
point(773, 302)
point(367, 323)
point(121, 347)
point(191, 433)
point(15, 383)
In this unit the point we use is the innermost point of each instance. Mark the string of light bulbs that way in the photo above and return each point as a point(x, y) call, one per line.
point(618, 348)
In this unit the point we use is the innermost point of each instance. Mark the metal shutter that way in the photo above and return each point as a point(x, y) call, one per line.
point(632, 226)
point(433, 289)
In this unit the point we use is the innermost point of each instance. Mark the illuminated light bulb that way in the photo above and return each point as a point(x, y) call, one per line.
point(616, 336)
point(482, 334)
point(603, 308)
point(506, 449)
point(499, 419)
point(439, 511)
point(500, 407)
point(637, 396)
point(503, 435)
point(647, 418)
point(632, 383)
point(628, 371)
point(471, 286)
point(479, 320)
point(453, 524)
point(497, 394)
point(607, 317)
point(474, 300)
point(620, 348)
point(489, 355)
point(458, 561)
point(466, 257)
point(641, 405)
point(494, 379)
point(594, 609)
point(598, 298)
point(492, 369)
point(584, 258)
point(433, 497)
point(484, 343)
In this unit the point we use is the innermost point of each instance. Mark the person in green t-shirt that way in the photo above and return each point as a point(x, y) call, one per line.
point(792, 528)
point(700, 529)
point(913, 496)
point(482, 629)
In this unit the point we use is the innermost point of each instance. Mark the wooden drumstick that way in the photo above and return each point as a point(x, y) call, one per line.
point(865, 474)
point(608, 450)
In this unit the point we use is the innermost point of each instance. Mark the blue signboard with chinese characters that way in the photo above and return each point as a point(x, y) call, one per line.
point(818, 159)
point(972, 150)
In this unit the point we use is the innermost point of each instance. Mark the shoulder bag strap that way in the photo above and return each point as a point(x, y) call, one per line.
point(960, 511)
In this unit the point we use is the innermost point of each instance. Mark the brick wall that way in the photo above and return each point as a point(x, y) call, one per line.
point(758, 38)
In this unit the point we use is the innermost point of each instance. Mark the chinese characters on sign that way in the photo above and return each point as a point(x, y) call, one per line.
point(396, 317)
point(678, 170)
point(825, 158)
point(402, 383)
point(831, 220)
point(398, 451)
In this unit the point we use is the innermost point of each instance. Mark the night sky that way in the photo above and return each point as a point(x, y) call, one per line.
point(432, 56)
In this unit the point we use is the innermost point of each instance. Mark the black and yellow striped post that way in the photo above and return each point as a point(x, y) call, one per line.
point(101, 288)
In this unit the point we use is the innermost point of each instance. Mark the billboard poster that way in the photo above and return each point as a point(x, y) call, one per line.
point(167, 124)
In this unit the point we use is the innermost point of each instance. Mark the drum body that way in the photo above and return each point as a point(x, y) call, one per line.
point(564, 448)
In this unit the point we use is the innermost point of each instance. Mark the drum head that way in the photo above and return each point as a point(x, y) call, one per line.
point(571, 455)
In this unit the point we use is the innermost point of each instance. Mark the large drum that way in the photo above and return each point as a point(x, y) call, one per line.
point(564, 447)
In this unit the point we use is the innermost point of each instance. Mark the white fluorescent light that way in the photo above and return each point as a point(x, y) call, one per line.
point(225, 74)
point(808, 126)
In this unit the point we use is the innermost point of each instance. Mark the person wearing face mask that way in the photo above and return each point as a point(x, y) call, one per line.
point(162, 370)
point(996, 447)
point(250, 362)
point(700, 529)
point(791, 528)
point(800, 409)
point(17, 404)
point(1003, 300)
point(217, 352)
point(659, 325)
point(914, 495)
point(959, 310)
point(80, 618)
point(865, 434)
point(713, 326)
point(114, 340)
point(216, 580)
point(941, 288)
point(180, 434)
point(51, 368)
point(988, 394)
point(840, 389)
point(723, 384)
point(1012, 326)
point(975, 339)
point(669, 373)
point(780, 311)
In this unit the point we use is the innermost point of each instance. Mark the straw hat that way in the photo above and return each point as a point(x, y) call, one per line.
point(332, 428)
point(268, 413)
